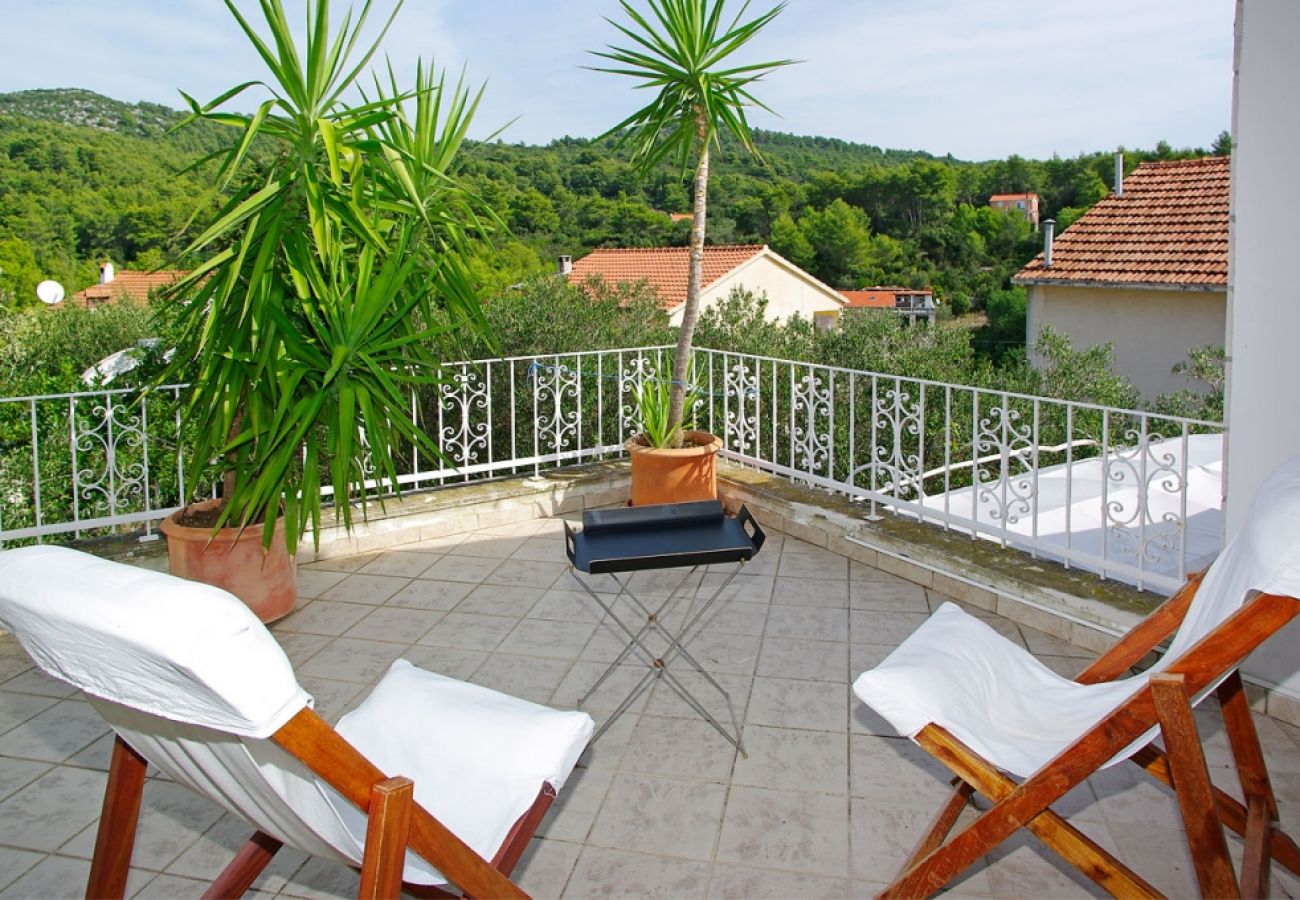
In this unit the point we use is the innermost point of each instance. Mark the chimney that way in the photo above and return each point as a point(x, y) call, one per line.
point(1119, 173)
point(1049, 227)
point(565, 264)
point(106, 272)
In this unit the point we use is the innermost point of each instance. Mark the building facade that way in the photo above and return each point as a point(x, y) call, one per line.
point(753, 267)
point(1145, 270)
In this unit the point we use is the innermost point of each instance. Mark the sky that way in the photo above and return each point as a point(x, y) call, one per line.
point(978, 79)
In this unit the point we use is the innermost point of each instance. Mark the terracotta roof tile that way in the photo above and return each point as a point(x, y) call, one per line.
point(1170, 228)
point(134, 286)
point(665, 269)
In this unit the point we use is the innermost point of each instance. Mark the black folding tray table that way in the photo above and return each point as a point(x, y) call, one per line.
point(689, 535)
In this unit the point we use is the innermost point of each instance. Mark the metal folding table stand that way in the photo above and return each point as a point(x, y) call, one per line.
point(618, 542)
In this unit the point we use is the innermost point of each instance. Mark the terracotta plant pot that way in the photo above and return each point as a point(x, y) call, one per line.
point(674, 476)
point(267, 581)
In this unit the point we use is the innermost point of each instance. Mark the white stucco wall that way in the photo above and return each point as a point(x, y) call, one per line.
point(1150, 330)
point(788, 291)
point(1263, 292)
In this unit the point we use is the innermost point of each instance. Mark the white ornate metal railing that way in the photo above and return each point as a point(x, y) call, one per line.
point(82, 464)
point(1126, 493)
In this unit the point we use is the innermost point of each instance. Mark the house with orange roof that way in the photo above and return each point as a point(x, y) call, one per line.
point(1145, 270)
point(1025, 204)
point(129, 286)
point(753, 267)
point(915, 303)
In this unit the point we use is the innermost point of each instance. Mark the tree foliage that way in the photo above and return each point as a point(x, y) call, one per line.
point(83, 178)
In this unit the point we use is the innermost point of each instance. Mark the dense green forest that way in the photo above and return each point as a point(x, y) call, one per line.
point(83, 177)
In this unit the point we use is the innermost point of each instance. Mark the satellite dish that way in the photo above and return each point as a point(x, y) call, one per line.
point(49, 292)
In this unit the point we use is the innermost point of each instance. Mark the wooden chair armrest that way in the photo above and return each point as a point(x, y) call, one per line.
point(324, 751)
point(1145, 637)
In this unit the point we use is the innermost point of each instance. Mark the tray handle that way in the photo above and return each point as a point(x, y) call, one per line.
point(746, 519)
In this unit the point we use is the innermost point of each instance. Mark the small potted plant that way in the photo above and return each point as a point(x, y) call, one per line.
point(333, 272)
point(671, 462)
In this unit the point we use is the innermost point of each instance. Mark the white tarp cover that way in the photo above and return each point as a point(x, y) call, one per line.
point(194, 682)
point(1094, 506)
point(957, 672)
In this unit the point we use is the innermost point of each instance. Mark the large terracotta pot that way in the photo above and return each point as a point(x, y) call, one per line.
point(265, 580)
point(674, 476)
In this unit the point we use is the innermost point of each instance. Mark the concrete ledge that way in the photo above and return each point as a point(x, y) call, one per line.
point(1068, 603)
point(453, 509)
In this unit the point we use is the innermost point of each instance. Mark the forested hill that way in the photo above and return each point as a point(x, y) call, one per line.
point(84, 177)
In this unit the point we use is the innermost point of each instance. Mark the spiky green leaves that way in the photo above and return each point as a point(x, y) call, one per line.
point(685, 56)
point(310, 318)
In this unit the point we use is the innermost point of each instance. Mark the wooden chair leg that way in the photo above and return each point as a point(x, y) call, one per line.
point(1261, 804)
point(1247, 754)
point(240, 873)
point(1205, 837)
point(516, 842)
point(940, 866)
point(117, 823)
point(1234, 815)
point(1255, 860)
point(388, 829)
point(942, 823)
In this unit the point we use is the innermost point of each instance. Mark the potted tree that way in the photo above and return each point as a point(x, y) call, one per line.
point(684, 52)
point(671, 463)
point(325, 284)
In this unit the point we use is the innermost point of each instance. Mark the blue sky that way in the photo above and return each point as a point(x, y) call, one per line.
point(976, 78)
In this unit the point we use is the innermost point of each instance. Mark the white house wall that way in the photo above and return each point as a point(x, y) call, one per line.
point(1264, 302)
point(787, 293)
point(1150, 330)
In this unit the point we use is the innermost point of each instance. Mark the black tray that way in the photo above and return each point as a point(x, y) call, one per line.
point(661, 537)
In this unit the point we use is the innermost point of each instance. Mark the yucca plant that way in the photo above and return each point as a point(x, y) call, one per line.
point(683, 52)
point(328, 279)
point(654, 403)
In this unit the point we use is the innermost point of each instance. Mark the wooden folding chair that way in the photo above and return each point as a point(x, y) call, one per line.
point(1217, 620)
point(192, 683)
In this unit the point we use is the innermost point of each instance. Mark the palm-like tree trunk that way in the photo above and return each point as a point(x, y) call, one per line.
point(691, 311)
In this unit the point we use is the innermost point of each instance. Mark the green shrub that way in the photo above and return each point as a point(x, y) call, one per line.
point(45, 351)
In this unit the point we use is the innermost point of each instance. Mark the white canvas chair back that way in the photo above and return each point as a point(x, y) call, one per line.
point(1263, 558)
point(190, 678)
point(956, 672)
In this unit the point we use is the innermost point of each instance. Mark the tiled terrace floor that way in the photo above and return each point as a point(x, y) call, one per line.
point(827, 804)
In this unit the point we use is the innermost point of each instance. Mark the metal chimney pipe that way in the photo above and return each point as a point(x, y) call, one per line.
point(1119, 173)
point(565, 264)
point(1049, 227)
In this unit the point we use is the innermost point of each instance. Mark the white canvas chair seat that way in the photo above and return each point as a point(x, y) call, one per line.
point(986, 707)
point(957, 672)
point(194, 683)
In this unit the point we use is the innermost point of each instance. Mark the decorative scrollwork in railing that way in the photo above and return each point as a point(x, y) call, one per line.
point(1008, 489)
point(741, 425)
point(554, 385)
point(463, 434)
point(107, 474)
point(899, 468)
point(810, 435)
point(1135, 477)
point(639, 370)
